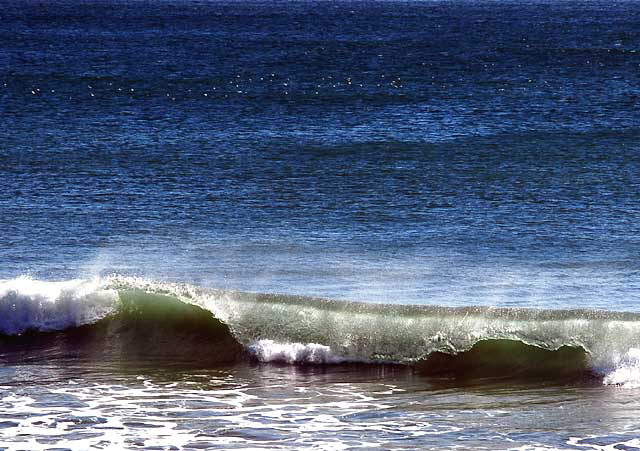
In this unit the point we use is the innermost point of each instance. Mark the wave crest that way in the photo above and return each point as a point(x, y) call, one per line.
point(27, 304)
point(140, 317)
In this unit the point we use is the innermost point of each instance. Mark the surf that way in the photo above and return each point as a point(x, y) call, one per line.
point(121, 318)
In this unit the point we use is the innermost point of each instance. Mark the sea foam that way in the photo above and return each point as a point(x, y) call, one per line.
point(626, 371)
point(314, 353)
point(28, 304)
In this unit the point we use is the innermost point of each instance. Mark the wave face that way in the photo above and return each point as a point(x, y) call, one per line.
point(138, 318)
point(509, 359)
point(90, 320)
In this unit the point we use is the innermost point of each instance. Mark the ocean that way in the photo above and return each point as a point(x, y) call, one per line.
point(322, 225)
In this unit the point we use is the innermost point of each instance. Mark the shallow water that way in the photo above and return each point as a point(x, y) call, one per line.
point(287, 407)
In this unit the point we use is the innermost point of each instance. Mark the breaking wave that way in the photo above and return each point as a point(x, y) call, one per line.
point(124, 318)
point(27, 304)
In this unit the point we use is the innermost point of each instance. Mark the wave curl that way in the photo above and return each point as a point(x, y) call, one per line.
point(143, 319)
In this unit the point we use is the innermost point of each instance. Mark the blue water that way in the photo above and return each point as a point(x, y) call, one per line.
point(396, 152)
point(443, 153)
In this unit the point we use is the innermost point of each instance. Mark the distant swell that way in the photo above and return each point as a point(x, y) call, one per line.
point(120, 319)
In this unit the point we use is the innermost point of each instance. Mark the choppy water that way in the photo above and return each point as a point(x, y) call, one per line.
point(209, 210)
point(288, 408)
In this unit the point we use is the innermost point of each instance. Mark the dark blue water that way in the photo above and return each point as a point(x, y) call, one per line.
point(308, 146)
point(450, 153)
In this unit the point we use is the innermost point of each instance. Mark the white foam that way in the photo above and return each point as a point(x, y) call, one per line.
point(626, 372)
point(28, 304)
point(271, 351)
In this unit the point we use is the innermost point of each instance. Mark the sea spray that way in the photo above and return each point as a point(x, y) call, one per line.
point(28, 304)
